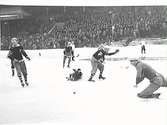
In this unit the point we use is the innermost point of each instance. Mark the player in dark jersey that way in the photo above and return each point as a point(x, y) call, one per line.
point(143, 47)
point(16, 54)
point(98, 59)
point(76, 75)
point(68, 53)
point(156, 79)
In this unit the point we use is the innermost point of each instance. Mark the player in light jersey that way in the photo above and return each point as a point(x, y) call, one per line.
point(156, 79)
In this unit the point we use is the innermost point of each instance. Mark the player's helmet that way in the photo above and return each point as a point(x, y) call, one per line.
point(106, 48)
point(14, 40)
point(101, 47)
point(69, 44)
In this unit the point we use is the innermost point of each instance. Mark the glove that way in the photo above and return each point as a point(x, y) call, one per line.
point(117, 50)
point(28, 58)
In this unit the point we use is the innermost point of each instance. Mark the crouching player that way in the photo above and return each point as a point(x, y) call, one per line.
point(76, 75)
point(68, 53)
point(155, 78)
point(98, 59)
point(15, 54)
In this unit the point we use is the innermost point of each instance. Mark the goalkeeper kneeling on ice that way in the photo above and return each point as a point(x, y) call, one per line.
point(76, 75)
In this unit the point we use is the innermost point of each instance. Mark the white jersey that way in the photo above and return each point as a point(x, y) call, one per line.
point(73, 47)
point(143, 43)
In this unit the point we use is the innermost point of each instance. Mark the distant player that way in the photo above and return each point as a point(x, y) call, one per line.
point(155, 78)
point(15, 55)
point(76, 75)
point(68, 54)
point(98, 59)
point(73, 48)
point(143, 47)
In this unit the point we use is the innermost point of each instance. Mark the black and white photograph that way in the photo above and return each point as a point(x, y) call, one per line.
point(83, 62)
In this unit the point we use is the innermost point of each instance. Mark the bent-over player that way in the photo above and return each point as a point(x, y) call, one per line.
point(156, 79)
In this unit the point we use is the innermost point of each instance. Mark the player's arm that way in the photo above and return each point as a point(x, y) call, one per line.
point(12, 67)
point(24, 53)
point(116, 51)
point(10, 54)
point(64, 52)
point(139, 77)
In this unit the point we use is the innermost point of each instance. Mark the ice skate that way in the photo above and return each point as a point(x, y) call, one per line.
point(156, 95)
point(91, 80)
point(22, 84)
point(26, 83)
point(101, 77)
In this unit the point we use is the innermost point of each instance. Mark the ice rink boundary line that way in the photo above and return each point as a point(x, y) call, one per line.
point(126, 58)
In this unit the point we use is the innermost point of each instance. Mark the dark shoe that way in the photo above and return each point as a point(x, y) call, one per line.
point(156, 95)
point(68, 66)
point(26, 83)
point(22, 84)
point(101, 77)
point(91, 80)
point(149, 96)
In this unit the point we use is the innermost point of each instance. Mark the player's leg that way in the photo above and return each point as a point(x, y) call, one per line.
point(72, 55)
point(64, 60)
point(24, 71)
point(148, 92)
point(12, 67)
point(141, 49)
point(69, 61)
point(164, 82)
point(101, 68)
point(18, 70)
point(94, 65)
point(160, 80)
point(144, 49)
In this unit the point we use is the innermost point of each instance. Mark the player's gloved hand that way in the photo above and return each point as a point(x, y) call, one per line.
point(28, 58)
point(117, 50)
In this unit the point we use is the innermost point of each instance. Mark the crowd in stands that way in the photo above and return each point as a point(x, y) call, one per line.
point(89, 28)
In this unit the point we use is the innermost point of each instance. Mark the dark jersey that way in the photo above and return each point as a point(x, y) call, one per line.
point(68, 50)
point(100, 54)
point(76, 75)
point(17, 52)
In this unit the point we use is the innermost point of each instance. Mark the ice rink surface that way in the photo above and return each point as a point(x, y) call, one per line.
point(50, 99)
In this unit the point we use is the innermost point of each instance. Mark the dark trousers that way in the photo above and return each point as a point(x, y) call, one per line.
point(21, 69)
point(155, 83)
point(143, 49)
